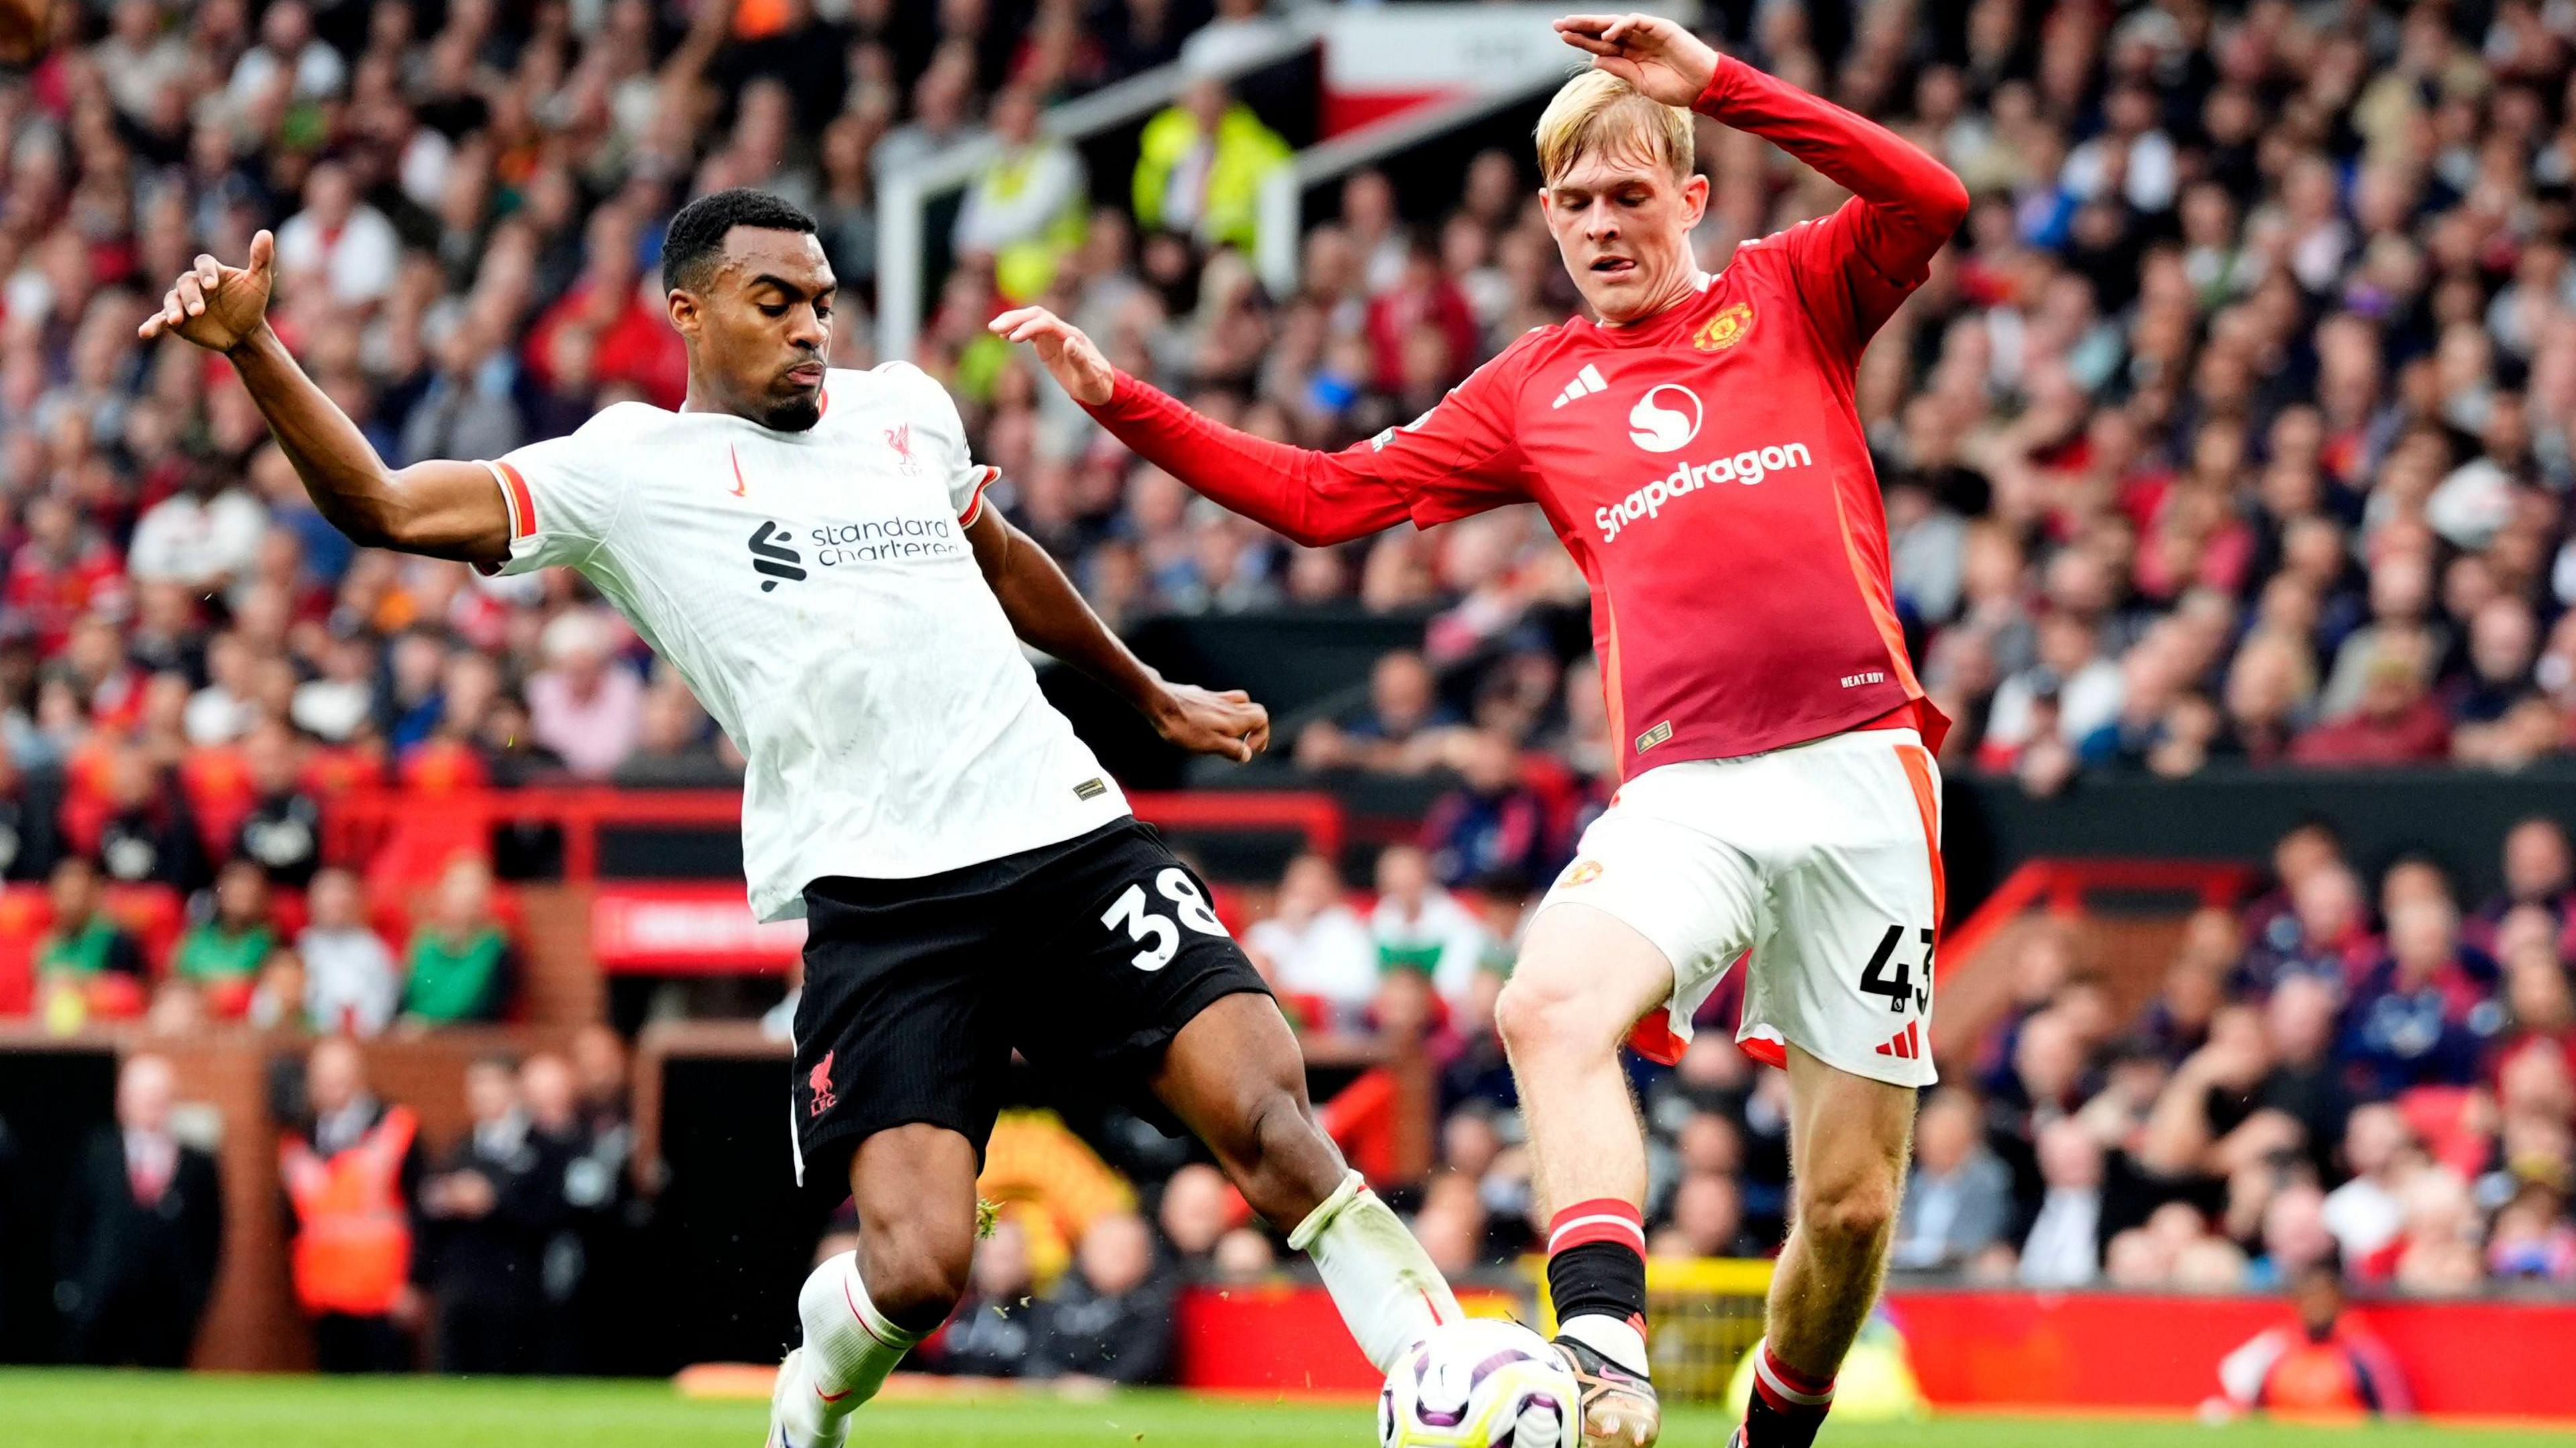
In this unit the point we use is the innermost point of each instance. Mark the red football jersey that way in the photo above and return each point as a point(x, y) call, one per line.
point(1705, 466)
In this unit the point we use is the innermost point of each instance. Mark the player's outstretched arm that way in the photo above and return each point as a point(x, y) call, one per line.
point(1047, 613)
point(1314, 498)
point(442, 509)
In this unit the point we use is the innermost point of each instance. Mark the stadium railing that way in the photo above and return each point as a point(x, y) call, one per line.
point(2067, 890)
point(409, 834)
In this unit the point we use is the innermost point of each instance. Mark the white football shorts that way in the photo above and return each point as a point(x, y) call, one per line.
point(1821, 860)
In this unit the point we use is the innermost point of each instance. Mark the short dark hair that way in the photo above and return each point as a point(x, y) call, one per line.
point(697, 234)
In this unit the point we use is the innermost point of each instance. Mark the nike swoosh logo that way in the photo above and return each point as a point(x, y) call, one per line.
point(833, 1397)
point(740, 488)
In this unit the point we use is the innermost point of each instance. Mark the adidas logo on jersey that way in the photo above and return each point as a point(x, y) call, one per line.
point(1905, 1045)
point(773, 559)
point(1585, 383)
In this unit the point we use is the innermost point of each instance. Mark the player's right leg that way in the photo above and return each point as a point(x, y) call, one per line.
point(1583, 979)
point(862, 1310)
point(1648, 918)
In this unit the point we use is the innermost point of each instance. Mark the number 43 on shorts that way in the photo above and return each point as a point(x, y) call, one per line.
point(1887, 976)
point(1155, 931)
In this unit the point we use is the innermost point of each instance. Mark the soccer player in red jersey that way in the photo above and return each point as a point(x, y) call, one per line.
point(1698, 449)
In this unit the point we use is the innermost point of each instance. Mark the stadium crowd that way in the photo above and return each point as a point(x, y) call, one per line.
point(2238, 425)
point(2382, 1079)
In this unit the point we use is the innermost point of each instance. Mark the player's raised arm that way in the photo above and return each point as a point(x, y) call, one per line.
point(1048, 613)
point(1907, 205)
point(442, 509)
point(1461, 451)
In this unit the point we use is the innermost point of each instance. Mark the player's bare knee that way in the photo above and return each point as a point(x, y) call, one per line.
point(1284, 1164)
point(915, 1273)
point(1546, 1016)
point(1849, 1216)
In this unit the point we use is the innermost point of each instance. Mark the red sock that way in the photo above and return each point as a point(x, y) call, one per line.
point(1788, 1405)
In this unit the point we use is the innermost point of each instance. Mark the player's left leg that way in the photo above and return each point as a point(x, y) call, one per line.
point(1848, 1137)
point(1234, 1076)
point(863, 1310)
point(1846, 981)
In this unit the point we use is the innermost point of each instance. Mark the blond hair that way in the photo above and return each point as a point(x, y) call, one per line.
point(1596, 110)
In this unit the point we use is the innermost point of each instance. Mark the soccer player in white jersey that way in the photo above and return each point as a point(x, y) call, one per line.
point(811, 548)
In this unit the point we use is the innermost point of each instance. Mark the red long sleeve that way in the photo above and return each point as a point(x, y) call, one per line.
point(1905, 204)
point(1318, 498)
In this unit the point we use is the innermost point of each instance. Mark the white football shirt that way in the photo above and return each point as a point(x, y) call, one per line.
point(817, 590)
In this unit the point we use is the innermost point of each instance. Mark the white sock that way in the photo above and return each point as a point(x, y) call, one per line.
point(849, 1345)
point(1389, 1293)
point(1618, 1341)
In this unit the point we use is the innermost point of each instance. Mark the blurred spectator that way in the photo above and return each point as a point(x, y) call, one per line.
point(2393, 722)
point(602, 1325)
point(142, 1229)
point(1960, 1200)
point(1421, 927)
point(1024, 211)
point(585, 705)
point(578, 1181)
point(1111, 1316)
point(352, 985)
point(485, 1212)
point(282, 832)
point(2539, 870)
point(2420, 1016)
point(145, 833)
point(2326, 1364)
point(2295, 1237)
point(203, 537)
point(996, 1329)
point(2064, 1245)
point(223, 951)
point(353, 1171)
point(1493, 826)
point(2366, 1212)
point(1315, 943)
point(1200, 165)
point(2323, 932)
point(2306, 1083)
point(337, 240)
point(460, 965)
point(26, 823)
point(86, 963)
point(1707, 1220)
point(1192, 1215)
point(1402, 730)
point(2532, 1239)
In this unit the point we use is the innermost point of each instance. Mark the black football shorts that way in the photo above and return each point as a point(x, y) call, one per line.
point(1086, 956)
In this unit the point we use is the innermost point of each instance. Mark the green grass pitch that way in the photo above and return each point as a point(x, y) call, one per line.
point(147, 1410)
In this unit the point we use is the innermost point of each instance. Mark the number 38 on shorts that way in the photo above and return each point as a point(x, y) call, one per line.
point(1149, 922)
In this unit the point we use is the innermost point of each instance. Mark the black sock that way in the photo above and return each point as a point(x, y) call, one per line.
point(1607, 1278)
point(1768, 1427)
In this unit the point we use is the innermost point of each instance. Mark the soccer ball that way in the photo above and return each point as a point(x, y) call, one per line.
point(1480, 1383)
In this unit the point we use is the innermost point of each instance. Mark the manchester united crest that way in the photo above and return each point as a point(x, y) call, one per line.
point(1725, 329)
